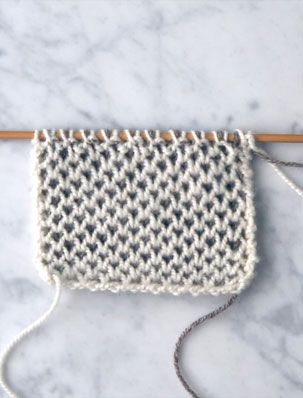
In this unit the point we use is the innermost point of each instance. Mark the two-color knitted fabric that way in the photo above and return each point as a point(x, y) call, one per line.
point(145, 215)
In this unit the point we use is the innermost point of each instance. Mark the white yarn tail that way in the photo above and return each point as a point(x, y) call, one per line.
point(25, 332)
point(288, 181)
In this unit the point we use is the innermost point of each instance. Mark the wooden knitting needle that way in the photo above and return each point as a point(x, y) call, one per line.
point(166, 135)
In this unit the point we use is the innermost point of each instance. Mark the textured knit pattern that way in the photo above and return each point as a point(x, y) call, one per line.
point(145, 215)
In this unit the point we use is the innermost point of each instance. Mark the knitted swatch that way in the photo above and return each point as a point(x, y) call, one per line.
point(145, 215)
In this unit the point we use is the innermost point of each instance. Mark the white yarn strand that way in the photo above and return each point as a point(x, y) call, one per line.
point(24, 333)
point(289, 182)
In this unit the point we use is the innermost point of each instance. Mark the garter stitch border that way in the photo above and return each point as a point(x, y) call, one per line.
point(107, 217)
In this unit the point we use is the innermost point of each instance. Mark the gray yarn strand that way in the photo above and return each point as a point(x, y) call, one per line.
point(186, 332)
point(269, 159)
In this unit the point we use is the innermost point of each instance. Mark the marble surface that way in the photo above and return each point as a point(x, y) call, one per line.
point(153, 64)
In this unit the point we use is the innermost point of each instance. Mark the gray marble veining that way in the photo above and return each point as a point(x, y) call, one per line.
point(153, 64)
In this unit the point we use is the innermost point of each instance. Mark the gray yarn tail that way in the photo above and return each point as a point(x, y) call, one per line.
point(186, 332)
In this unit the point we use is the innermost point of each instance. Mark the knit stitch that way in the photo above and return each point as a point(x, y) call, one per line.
point(145, 215)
